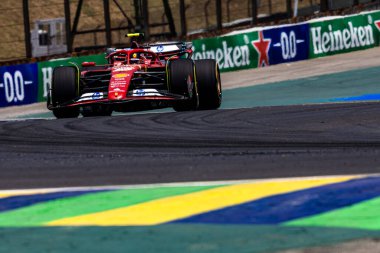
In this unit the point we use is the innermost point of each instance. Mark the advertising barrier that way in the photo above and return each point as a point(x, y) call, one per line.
point(231, 52)
point(288, 43)
point(342, 35)
point(45, 70)
point(374, 19)
point(18, 85)
point(257, 48)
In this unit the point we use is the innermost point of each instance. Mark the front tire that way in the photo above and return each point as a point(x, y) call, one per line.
point(65, 88)
point(182, 82)
point(209, 84)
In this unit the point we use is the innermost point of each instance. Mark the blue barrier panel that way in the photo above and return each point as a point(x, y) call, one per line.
point(18, 84)
point(288, 43)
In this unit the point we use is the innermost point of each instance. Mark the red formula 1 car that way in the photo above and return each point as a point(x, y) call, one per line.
point(143, 77)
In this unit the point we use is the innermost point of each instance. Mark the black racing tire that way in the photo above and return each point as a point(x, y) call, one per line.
point(96, 110)
point(209, 84)
point(48, 100)
point(182, 81)
point(65, 87)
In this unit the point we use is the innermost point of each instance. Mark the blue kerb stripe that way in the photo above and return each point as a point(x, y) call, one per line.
point(285, 207)
point(367, 97)
point(11, 203)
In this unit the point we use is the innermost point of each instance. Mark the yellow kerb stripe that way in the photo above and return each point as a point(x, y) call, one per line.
point(172, 208)
point(6, 194)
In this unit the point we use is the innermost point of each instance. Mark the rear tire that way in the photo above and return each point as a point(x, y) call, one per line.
point(182, 82)
point(209, 84)
point(65, 87)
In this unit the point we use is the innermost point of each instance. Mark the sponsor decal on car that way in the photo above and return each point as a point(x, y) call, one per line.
point(145, 92)
point(91, 96)
point(166, 48)
point(121, 75)
point(116, 83)
point(123, 68)
point(139, 93)
point(97, 95)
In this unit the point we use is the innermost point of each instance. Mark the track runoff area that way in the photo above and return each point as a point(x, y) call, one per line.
point(267, 173)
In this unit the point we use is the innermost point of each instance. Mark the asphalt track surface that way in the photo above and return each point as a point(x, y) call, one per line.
point(262, 142)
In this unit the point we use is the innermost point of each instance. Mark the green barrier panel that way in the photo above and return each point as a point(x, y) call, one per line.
point(45, 70)
point(234, 52)
point(374, 20)
point(342, 35)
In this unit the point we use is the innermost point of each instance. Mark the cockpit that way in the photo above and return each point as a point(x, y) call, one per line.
point(134, 56)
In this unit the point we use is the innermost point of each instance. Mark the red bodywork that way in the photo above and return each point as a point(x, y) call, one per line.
point(123, 70)
point(123, 64)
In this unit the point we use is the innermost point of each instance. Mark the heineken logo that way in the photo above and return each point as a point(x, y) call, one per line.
point(235, 56)
point(227, 56)
point(377, 23)
point(262, 47)
point(341, 39)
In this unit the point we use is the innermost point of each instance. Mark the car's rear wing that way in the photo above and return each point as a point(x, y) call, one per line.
point(164, 50)
point(167, 49)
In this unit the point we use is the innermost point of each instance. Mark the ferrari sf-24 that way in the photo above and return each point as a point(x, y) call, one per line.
point(142, 77)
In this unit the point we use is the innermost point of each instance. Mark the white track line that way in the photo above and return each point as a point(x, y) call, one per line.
point(176, 184)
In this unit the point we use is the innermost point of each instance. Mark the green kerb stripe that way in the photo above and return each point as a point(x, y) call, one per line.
point(365, 215)
point(38, 214)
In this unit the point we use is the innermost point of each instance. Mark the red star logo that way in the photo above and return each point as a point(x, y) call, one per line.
point(262, 47)
point(377, 23)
